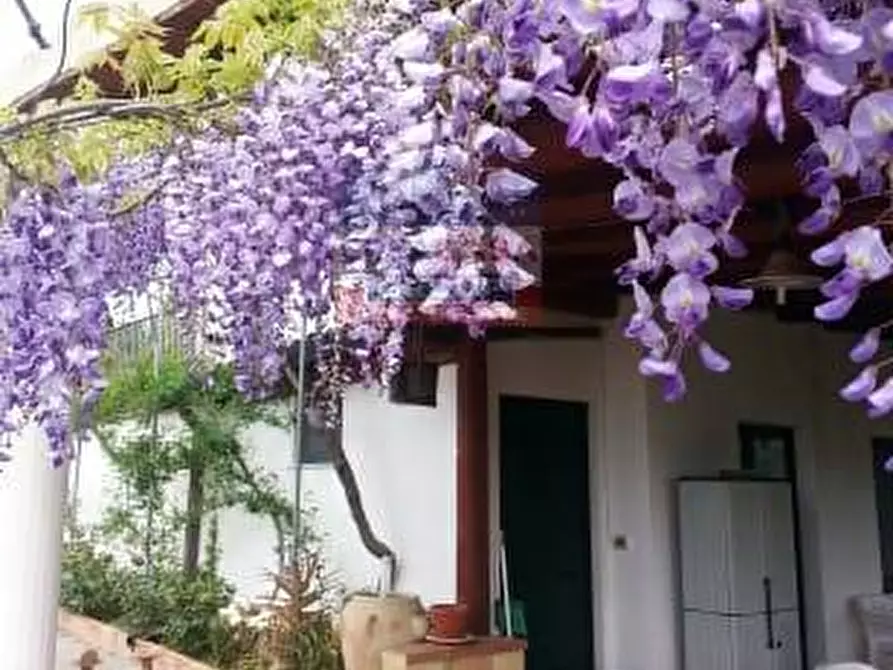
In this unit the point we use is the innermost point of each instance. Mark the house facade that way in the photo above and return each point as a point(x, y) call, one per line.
point(426, 497)
point(784, 382)
point(440, 483)
point(784, 376)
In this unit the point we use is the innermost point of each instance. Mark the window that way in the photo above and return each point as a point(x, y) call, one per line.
point(883, 491)
point(313, 448)
point(415, 384)
point(767, 451)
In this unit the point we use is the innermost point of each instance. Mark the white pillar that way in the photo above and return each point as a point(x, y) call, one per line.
point(32, 497)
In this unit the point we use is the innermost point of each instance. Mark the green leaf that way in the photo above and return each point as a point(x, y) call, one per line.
point(96, 16)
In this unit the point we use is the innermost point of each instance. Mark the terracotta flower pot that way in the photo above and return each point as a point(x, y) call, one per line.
point(448, 621)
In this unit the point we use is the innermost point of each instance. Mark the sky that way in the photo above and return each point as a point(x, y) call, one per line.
point(13, 30)
point(27, 66)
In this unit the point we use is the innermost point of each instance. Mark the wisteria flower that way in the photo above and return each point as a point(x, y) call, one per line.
point(685, 300)
point(831, 39)
point(861, 387)
point(731, 297)
point(506, 186)
point(712, 359)
point(840, 148)
point(588, 16)
point(871, 124)
point(626, 84)
point(688, 250)
point(881, 400)
point(631, 202)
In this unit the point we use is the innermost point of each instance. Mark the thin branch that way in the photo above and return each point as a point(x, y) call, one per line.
point(276, 516)
point(373, 544)
point(63, 51)
point(83, 113)
point(37, 94)
point(33, 26)
point(14, 172)
point(351, 488)
point(141, 199)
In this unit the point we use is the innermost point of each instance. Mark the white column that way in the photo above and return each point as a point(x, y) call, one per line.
point(32, 496)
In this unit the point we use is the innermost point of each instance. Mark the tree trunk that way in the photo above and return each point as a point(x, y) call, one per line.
point(280, 521)
point(195, 503)
point(348, 480)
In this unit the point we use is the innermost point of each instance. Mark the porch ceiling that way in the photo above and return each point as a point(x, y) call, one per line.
point(584, 241)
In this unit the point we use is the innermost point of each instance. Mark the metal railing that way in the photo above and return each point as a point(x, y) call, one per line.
point(137, 339)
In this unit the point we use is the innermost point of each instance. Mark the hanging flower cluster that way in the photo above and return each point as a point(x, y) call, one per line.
point(62, 257)
point(669, 91)
point(329, 183)
point(604, 70)
point(442, 164)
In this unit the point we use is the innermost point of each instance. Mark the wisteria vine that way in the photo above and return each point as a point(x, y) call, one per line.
point(364, 191)
point(669, 92)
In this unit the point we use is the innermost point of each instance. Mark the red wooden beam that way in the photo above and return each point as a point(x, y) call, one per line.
point(472, 514)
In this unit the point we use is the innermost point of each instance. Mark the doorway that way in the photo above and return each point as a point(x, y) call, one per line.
point(545, 519)
point(883, 491)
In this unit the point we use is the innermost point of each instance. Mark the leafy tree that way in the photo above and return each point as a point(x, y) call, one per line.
point(219, 472)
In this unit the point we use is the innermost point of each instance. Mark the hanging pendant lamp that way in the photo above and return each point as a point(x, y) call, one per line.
point(783, 270)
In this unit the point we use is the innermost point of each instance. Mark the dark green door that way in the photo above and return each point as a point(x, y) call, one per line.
point(545, 520)
point(883, 491)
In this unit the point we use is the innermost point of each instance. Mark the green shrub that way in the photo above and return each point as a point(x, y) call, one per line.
point(93, 585)
point(295, 632)
point(193, 613)
point(182, 611)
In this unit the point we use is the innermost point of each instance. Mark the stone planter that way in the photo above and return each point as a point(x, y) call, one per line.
point(371, 624)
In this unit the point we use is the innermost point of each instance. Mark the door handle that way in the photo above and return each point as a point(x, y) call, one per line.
point(771, 643)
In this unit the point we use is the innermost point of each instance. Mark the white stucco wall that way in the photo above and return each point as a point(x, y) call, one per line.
point(31, 509)
point(404, 458)
point(783, 374)
point(786, 375)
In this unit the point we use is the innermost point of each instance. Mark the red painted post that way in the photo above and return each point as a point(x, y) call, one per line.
point(472, 519)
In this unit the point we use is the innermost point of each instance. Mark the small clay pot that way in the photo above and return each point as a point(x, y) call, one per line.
point(448, 621)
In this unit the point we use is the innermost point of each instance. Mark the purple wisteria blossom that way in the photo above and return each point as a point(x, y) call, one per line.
point(343, 190)
point(366, 189)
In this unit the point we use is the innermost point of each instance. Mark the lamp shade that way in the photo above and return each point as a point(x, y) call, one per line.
point(783, 270)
